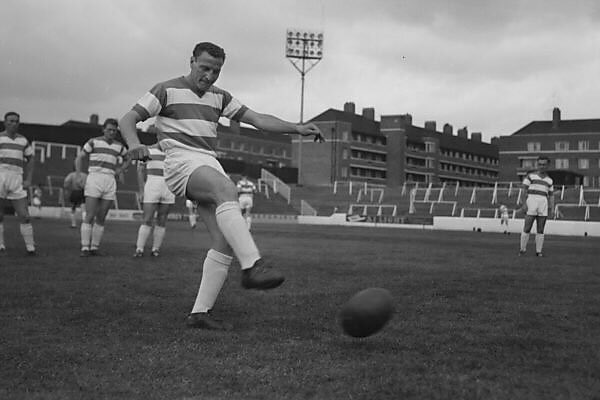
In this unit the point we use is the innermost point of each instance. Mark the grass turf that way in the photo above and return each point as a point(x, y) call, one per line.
point(473, 319)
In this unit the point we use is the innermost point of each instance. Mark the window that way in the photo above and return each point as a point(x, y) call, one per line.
point(583, 145)
point(583, 163)
point(430, 147)
point(562, 163)
point(345, 136)
point(586, 181)
point(344, 172)
point(561, 146)
point(528, 163)
point(534, 146)
point(345, 154)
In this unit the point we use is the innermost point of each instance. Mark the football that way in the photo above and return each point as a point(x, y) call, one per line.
point(366, 312)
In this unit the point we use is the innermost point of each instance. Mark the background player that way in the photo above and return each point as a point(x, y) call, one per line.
point(246, 190)
point(504, 218)
point(16, 170)
point(73, 186)
point(156, 199)
point(105, 155)
point(539, 204)
point(187, 111)
point(192, 212)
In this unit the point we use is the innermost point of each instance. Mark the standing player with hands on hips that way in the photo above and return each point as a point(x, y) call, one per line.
point(539, 204)
point(187, 111)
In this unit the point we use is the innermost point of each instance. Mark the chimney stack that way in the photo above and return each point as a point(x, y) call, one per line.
point(406, 120)
point(349, 107)
point(555, 118)
point(94, 119)
point(476, 136)
point(448, 129)
point(430, 126)
point(234, 126)
point(369, 113)
point(463, 133)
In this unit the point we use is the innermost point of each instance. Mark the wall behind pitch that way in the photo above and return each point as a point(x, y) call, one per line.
point(553, 227)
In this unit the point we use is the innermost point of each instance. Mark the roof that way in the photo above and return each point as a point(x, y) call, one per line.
point(564, 126)
point(359, 123)
point(452, 142)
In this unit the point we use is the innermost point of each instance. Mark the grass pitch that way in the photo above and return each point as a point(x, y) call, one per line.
point(473, 320)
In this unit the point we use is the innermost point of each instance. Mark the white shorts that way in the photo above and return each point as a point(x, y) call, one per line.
point(180, 163)
point(101, 186)
point(11, 186)
point(156, 191)
point(537, 205)
point(246, 201)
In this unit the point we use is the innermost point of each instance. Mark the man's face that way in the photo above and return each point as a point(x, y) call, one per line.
point(11, 123)
point(110, 131)
point(205, 70)
point(542, 165)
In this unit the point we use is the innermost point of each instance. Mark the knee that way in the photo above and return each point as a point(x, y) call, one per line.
point(225, 191)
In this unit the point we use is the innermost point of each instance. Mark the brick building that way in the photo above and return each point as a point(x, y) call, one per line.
point(573, 147)
point(394, 151)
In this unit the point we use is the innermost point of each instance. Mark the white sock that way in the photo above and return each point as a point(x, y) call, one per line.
point(27, 233)
point(97, 232)
point(249, 222)
point(142, 236)
point(234, 228)
point(1, 234)
point(159, 235)
point(73, 218)
point(524, 240)
point(86, 235)
point(539, 242)
point(214, 273)
point(192, 218)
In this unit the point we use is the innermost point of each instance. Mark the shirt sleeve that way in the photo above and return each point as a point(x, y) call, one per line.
point(88, 147)
point(152, 102)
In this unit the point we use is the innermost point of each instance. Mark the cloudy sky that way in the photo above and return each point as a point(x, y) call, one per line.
point(492, 66)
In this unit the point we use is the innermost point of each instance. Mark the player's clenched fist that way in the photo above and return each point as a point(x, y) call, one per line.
point(139, 153)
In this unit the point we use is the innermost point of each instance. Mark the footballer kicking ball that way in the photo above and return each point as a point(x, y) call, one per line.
point(366, 312)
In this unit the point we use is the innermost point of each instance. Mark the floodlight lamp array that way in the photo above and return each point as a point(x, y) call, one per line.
point(304, 44)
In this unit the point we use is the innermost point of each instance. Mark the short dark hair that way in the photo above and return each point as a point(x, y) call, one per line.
point(543, 158)
point(10, 113)
point(110, 121)
point(210, 48)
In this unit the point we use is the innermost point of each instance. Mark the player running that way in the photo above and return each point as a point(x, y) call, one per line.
point(187, 111)
point(16, 169)
point(156, 199)
point(246, 190)
point(105, 155)
point(539, 204)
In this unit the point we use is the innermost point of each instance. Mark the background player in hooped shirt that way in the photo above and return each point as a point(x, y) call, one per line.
point(539, 204)
point(246, 190)
point(106, 160)
point(16, 169)
point(187, 111)
point(156, 199)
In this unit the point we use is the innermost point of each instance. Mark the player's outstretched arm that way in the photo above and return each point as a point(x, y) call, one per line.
point(127, 124)
point(273, 124)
